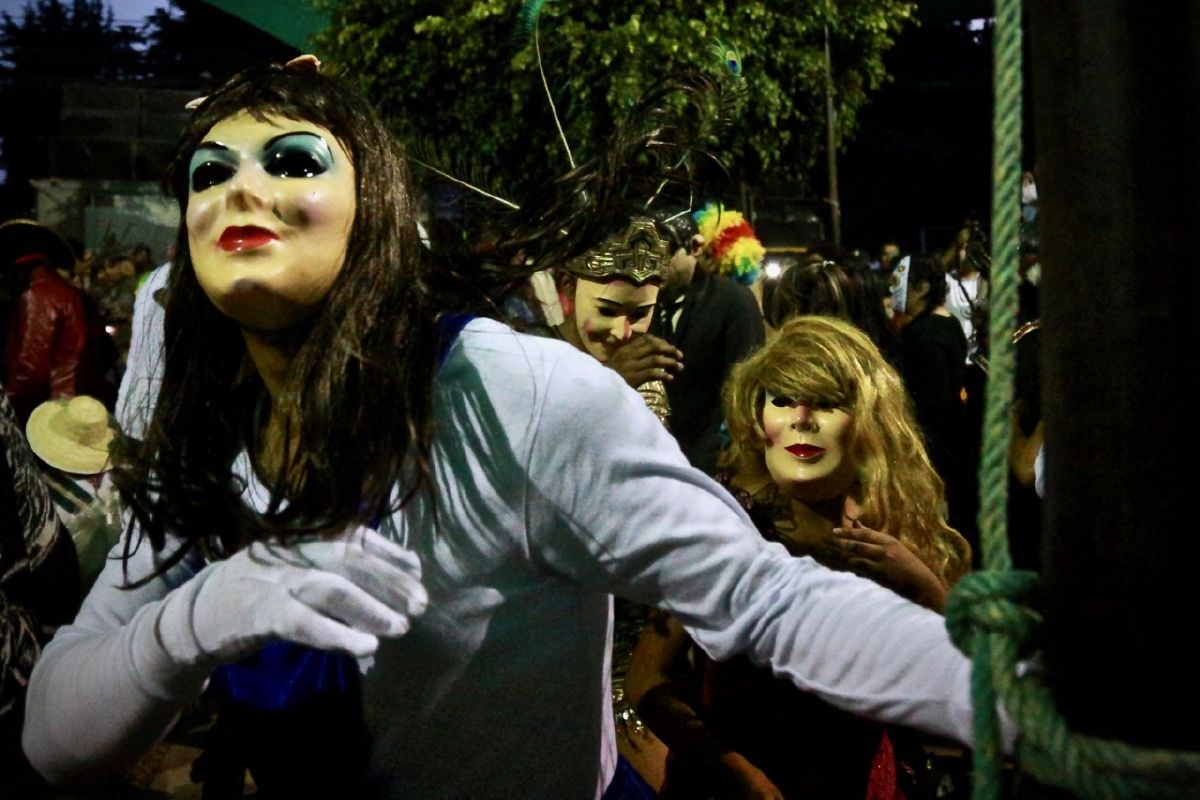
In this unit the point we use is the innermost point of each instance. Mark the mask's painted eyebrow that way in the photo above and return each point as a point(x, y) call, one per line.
point(271, 142)
point(210, 145)
point(206, 145)
point(616, 304)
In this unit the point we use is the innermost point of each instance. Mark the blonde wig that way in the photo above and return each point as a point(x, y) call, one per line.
point(828, 363)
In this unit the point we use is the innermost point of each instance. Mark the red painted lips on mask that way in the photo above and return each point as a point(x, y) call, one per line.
point(245, 237)
point(805, 450)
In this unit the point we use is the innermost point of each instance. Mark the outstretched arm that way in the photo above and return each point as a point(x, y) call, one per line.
point(641, 523)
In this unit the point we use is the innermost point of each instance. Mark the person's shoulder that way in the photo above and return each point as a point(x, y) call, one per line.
point(735, 302)
point(517, 374)
point(731, 290)
point(46, 278)
point(497, 353)
point(946, 325)
point(157, 277)
point(48, 284)
point(921, 324)
point(149, 297)
point(929, 326)
point(485, 339)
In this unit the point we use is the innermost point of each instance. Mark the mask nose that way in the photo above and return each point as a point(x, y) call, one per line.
point(621, 330)
point(248, 188)
point(804, 418)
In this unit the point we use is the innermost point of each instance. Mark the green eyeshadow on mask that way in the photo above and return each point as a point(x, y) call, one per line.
point(297, 155)
point(210, 165)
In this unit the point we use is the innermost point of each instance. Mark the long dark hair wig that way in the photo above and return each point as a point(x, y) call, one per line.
point(357, 399)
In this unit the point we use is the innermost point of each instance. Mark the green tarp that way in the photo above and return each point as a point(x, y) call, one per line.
point(290, 21)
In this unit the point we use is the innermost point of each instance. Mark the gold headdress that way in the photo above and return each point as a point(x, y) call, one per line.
point(638, 255)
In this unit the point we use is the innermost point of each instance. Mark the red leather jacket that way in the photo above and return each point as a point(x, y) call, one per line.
point(49, 353)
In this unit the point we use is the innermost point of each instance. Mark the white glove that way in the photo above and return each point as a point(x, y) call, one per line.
point(340, 594)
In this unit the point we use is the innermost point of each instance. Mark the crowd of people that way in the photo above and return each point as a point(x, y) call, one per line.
point(378, 534)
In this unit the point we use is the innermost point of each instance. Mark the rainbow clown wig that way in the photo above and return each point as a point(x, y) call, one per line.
point(730, 243)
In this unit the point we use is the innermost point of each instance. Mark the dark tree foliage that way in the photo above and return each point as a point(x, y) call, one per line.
point(453, 72)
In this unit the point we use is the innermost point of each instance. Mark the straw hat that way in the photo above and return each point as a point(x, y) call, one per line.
point(21, 237)
point(74, 435)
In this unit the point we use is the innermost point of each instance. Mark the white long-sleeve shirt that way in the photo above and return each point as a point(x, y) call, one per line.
point(556, 487)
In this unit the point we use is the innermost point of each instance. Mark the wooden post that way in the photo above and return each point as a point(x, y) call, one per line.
point(1117, 102)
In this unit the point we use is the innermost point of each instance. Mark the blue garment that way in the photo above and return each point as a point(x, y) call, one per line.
point(627, 784)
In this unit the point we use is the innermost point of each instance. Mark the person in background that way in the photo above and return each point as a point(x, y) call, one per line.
point(968, 289)
point(966, 264)
point(608, 297)
point(1026, 451)
point(715, 323)
point(815, 286)
point(934, 369)
point(824, 287)
point(118, 285)
point(51, 348)
point(825, 459)
point(143, 259)
point(610, 294)
point(889, 252)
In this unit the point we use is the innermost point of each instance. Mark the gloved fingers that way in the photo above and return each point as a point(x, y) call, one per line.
point(303, 625)
point(386, 571)
point(339, 598)
point(366, 542)
point(394, 587)
point(359, 543)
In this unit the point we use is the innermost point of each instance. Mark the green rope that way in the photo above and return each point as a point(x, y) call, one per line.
point(985, 615)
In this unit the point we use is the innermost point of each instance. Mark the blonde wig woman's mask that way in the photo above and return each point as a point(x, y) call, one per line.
point(808, 447)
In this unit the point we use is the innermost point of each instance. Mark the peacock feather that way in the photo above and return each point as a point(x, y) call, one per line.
point(526, 31)
point(527, 20)
point(729, 56)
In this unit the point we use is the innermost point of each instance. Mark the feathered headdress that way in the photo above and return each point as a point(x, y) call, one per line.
point(730, 242)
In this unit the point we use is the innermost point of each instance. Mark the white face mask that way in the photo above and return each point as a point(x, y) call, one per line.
point(269, 214)
point(808, 448)
point(608, 314)
point(1028, 189)
point(900, 285)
